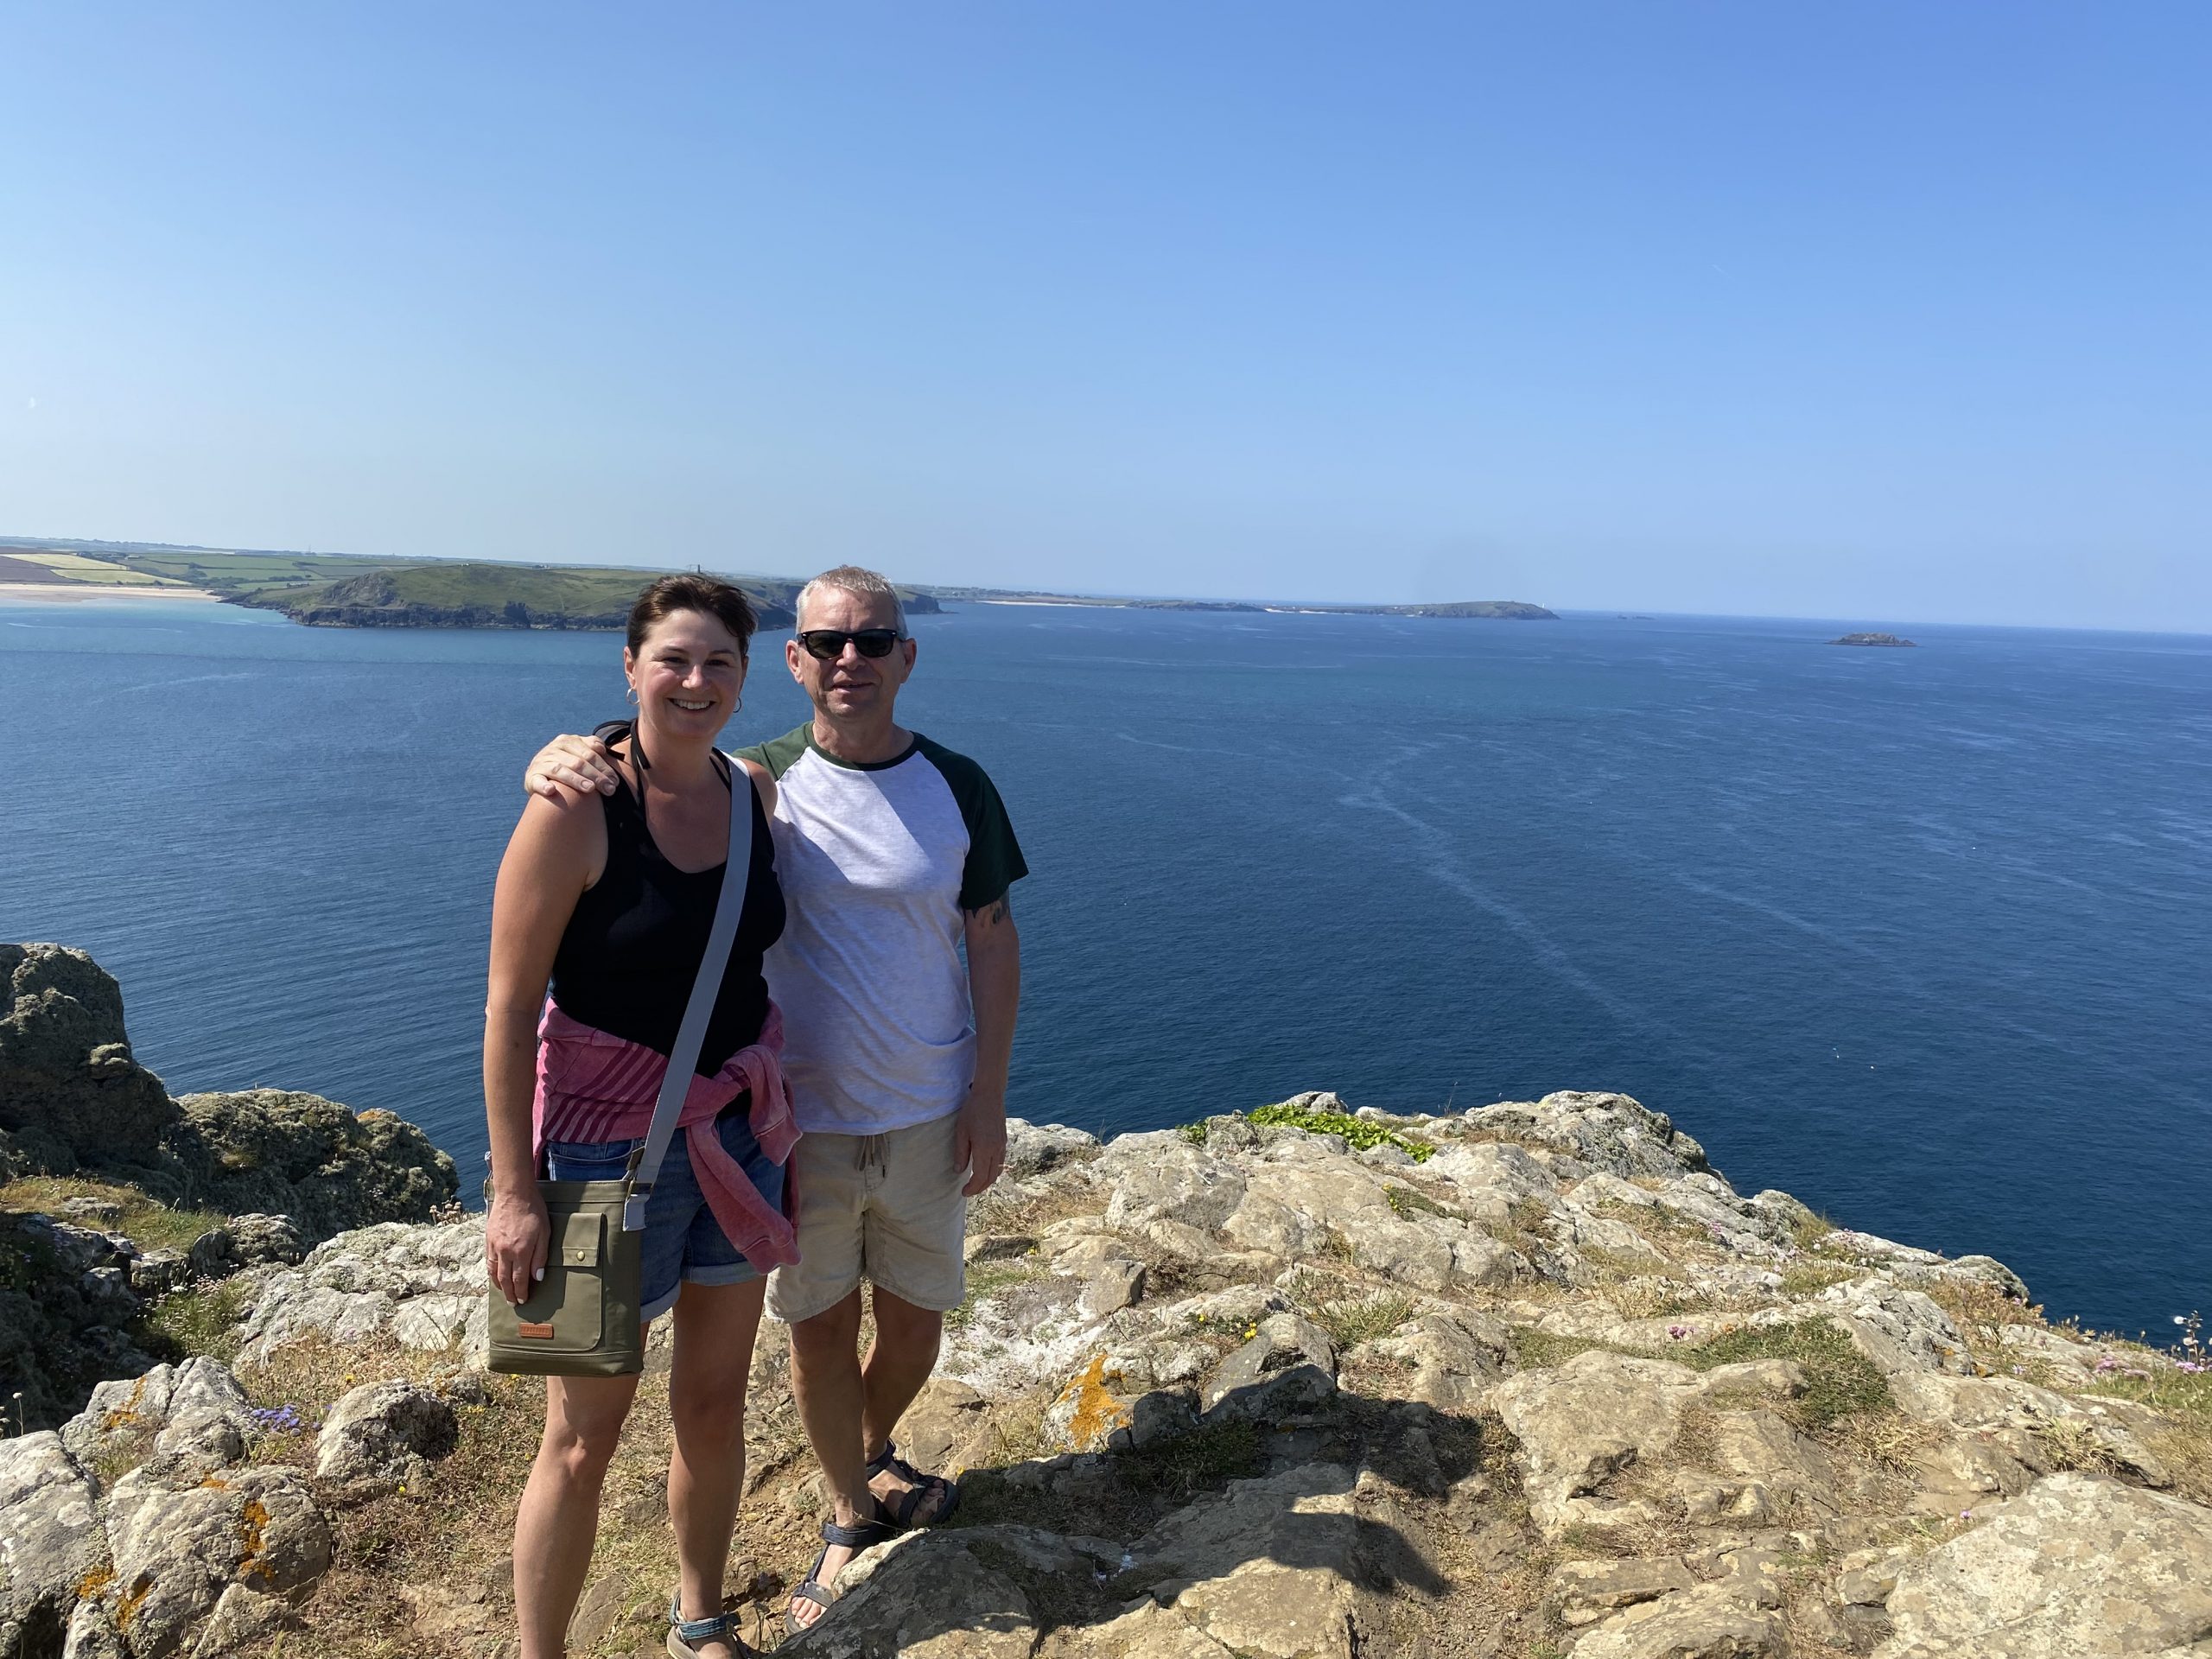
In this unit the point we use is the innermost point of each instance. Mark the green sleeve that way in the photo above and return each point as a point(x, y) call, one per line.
point(995, 862)
point(778, 754)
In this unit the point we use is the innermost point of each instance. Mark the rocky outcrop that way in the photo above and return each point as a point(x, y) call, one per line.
point(1529, 1380)
point(71, 1097)
point(76, 1293)
point(73, 1100)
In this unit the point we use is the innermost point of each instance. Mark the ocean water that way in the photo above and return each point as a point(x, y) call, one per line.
point(1920, 936)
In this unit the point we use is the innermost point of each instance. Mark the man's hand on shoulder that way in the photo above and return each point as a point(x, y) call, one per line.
point(979, 1140)
point(580, 764)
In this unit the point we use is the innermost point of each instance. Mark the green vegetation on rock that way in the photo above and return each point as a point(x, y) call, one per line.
point(1358, 1133)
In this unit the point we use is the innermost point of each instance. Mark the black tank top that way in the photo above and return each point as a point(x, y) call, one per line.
point(632, 951)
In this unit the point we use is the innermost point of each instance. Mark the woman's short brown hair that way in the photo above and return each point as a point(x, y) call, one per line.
point(710, 595)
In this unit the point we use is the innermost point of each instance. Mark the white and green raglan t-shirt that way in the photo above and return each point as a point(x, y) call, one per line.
point(877, 864)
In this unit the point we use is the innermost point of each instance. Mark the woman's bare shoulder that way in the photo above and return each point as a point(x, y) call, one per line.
point(763, 784)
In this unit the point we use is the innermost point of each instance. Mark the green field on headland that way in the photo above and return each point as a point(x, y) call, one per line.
point(351, 591)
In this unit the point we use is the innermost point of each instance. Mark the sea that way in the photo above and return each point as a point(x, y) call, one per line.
point(1923, 937)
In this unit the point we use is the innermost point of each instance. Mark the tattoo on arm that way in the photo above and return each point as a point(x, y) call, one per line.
point(994, 912)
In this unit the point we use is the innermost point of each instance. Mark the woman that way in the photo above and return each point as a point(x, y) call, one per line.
point(609, 899)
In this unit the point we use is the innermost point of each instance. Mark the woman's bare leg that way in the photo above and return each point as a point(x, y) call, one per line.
point(559, 1517)
point(715, 1328)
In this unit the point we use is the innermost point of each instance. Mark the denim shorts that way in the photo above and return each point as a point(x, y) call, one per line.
point(684, 1243)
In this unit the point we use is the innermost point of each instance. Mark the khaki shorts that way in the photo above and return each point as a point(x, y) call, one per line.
point(886, 1208)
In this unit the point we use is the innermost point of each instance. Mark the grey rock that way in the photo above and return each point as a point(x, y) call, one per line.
point(246, 1242)
point(92, 1634)
point(159, 1273)
point(1289, 1365)
point(260, 1239)
point(214, 1255)
point(926, 1596)
point(385, 1432)
point(1710, 1622)
point(1900, 1331)
point(422, 1286)
point(1161, 1177)
point(1113, 1286)
point(50, 1539)
point(1033, 1148)
point(1455, 1358)
point(176, 1550)
point(2078, 1566)
point(68, 1085)
point(1279, 1567)
point(1607, 1131)
point(1989, 1271)
point(1585, 1592)
point(195, 1412)
point(279, 1151)
point(245, 1622)
point(1582, 1423)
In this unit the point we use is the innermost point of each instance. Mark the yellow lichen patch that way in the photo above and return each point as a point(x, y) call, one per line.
point(127, 1608)
point(127, 1413)
point(253, 1524)
point(214, 1484)
point(94, 1581)
point(1097, 1412)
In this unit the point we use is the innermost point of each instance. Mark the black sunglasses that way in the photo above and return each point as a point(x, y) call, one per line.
point(829, 644)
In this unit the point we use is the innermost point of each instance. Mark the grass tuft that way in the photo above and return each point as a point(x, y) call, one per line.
point(1350, 1320)
point(202, 1318)
point(147, 1222)
point(1405, 1202)
point(1839, 1381)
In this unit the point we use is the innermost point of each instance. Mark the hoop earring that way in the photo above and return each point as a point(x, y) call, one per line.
point(740, 708)
point(629, 694)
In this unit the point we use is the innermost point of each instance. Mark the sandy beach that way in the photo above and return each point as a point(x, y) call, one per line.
point(71, 592)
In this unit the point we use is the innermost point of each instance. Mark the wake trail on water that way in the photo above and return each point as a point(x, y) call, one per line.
point(1443, 866)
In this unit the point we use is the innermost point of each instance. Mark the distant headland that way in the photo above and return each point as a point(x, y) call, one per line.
point(337, 590)
point(1870, 639)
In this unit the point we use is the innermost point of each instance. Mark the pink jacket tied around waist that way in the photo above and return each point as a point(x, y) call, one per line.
point(593, 1085)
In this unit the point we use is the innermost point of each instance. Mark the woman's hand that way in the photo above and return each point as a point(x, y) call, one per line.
point(516, 1234)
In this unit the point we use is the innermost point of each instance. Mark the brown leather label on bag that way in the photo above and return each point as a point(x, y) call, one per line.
point(533, 1330)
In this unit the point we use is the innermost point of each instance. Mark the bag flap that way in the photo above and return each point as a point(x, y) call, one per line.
point(579, 1238)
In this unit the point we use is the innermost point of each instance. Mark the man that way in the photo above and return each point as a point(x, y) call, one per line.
point(893, 853)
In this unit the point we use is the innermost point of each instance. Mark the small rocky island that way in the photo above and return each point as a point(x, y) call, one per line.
point(1870, 639)
point(1523, 1381)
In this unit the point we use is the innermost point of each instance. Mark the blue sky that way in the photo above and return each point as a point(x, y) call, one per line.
point(1870, 311)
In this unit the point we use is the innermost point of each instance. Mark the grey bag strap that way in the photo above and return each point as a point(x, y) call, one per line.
point(684, 1058)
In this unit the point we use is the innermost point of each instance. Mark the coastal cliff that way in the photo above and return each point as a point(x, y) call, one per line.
point(1527, 1380)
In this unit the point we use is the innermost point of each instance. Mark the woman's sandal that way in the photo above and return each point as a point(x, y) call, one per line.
point(861, 1534)
point(919, 1486)
point(683, 1633)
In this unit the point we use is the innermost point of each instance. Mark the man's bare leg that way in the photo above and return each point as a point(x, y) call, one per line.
point(899, 1364)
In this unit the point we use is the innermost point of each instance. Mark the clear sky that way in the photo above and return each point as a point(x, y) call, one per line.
point(1878, 311)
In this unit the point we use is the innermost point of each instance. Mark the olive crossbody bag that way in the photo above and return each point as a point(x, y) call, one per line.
point(581, 1317)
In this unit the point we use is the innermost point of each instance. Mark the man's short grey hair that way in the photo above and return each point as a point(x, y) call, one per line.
point(864, 584)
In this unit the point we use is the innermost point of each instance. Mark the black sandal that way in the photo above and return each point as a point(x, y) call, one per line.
point(683, 1633)
point(919, 1486)
point(861, 1534)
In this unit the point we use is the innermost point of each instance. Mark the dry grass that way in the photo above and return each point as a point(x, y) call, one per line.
point(1645, 1296)
point(1003, 1211)
point(1350, 1319)
point(202, 1319)
point(148, 1223)
point(1809, 1278)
